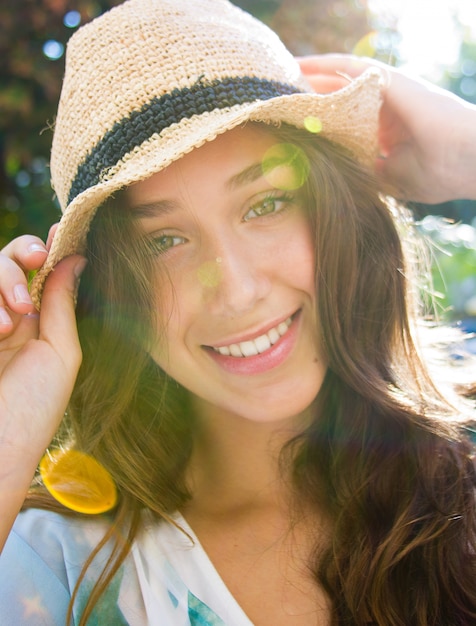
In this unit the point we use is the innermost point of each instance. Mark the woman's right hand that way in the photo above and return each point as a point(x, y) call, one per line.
point(39, 360)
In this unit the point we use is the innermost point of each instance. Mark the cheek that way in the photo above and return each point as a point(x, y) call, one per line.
point(299, 260)
point(170, 314)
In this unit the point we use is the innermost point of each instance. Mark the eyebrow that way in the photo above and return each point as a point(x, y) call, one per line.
point(248, 175)
point(165, 207)
point(154, 209)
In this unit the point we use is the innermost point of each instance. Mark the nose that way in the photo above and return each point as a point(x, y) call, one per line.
point(236, 279)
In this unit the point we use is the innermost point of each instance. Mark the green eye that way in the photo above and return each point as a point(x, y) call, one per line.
point(268, 206)
point(162, 244)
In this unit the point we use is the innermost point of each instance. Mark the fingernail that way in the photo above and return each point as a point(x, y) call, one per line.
point(21, 294)
point(36, 247)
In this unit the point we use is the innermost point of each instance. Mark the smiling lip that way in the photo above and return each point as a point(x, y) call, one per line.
point(261, 353)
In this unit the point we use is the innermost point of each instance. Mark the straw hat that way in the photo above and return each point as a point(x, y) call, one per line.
point(150, 80)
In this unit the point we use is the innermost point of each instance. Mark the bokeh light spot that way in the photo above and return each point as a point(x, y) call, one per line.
point(72, 19)
point(468, 87)
point(312, 124)
point(23, 179)
point(468, 67)
point(53, 49)
point(285, 166)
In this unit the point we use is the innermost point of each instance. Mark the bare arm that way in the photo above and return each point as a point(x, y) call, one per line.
point(427, 135)
point(39, 359)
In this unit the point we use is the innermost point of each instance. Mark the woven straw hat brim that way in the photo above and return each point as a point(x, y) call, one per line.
point(348, 117)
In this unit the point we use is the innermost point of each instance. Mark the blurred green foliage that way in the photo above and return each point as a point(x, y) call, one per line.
point(33, 35)
point(452, 226)
point(453, 249)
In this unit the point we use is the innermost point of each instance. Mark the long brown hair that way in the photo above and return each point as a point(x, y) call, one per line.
point(385, 457)
point(385, 454)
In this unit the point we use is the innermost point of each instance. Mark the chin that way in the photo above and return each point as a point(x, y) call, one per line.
point(276, 411)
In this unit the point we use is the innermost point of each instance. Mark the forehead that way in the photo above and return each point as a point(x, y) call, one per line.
point(238, 152)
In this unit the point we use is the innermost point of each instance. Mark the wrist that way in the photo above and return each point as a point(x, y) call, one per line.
point(464, 155)
point(18, 464)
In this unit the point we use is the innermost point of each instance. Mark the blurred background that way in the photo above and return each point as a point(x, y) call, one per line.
point(435, 39)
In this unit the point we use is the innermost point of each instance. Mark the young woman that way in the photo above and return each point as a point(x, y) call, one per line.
point(245, 357)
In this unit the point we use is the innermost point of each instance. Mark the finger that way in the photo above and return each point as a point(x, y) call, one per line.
point(6, 321)
point(51, 235)
point(13, 287)
point(27, 251)
point(57, 318)
point(331, 63)
point(19, 256)
point(326, 84)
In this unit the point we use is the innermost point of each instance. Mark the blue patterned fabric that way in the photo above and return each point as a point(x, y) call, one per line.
point(167, 579)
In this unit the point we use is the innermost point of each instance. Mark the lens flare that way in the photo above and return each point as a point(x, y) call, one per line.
point(312, 124)
point(78, 481)
point(285, 166)
point(210, 273)
point(366, 46)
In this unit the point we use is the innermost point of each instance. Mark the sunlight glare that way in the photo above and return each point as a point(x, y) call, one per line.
point(430, 30)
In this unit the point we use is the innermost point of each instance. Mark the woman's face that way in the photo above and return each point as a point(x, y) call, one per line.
point(239, 301)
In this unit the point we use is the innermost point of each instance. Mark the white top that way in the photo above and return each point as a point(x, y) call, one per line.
point(166, 580)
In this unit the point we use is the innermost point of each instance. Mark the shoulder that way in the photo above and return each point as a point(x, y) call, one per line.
point(54, 538)
point(40, 565)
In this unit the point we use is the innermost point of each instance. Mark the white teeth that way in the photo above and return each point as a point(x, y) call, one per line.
point(248, 348)
point(273, 336)
point(235, 350)
point(263, 343)
point(258, 345)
